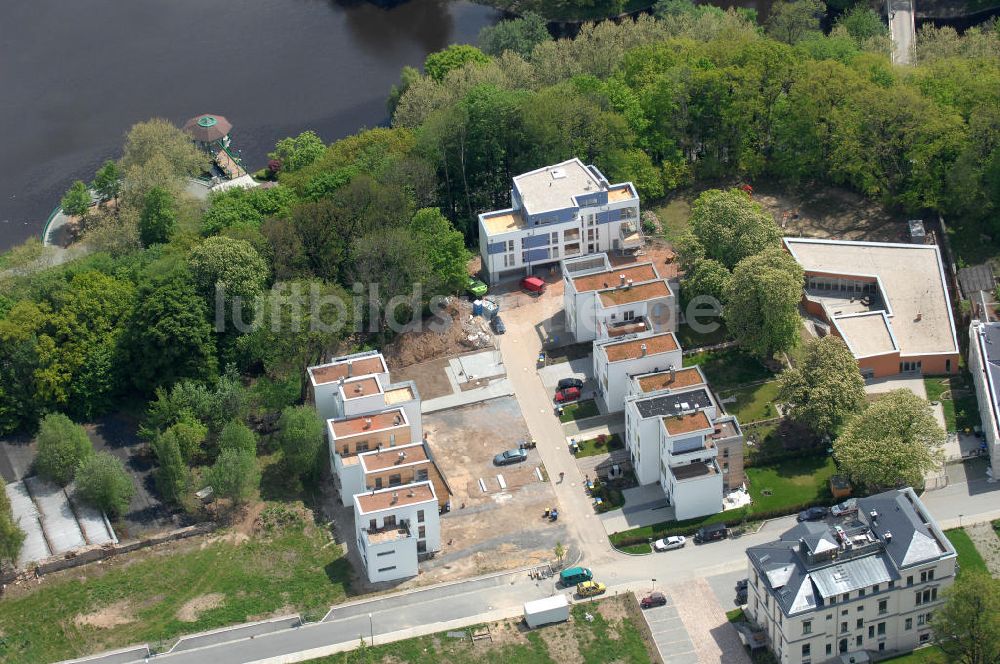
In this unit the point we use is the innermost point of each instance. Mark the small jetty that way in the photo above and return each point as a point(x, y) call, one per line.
point(211, 134)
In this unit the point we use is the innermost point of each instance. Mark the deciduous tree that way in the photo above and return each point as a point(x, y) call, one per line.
point(708, 278)
point(519, 35)
point(172, 477)
point(762, 302)
point(300, 435)
point(791, 20)
point(11, 535)
point(893, 442)
point(298, 152)
point(967, 627)
point(235, 475)
point(62, 446)
point(108, 181)
point(438, 64)
point(238, 436)
point(825, 388)
point(731, 226)
point(103, 482)
point(159, 215)
point(76, 201)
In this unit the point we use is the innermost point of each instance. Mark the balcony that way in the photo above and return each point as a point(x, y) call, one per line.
point(630, 235)
point(391, 533)
point(572, 235)
point(689, 454)
point(694, 471)
point(571, 249)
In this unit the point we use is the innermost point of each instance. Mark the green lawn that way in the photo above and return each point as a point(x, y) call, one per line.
point(729, 368)
point(675, 217)
point(968, 557)
point(736, 615)
point(599, 445)
point(688, 338)
point(754, 402)
point(792, 482)
point(579, 410)
point(599, 640)
point(928, 655)
point(961, 410)
point(143, 595)
point(637, 548)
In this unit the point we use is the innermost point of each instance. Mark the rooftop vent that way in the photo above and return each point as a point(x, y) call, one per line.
point(397, 420)
point(887, 536)
point(874, 515)
point(358, 389)
point(395, 497)
point(402, 455)
point(558, 174)
point(628, 284)
point(350, 369)
point(673, 373)
point(368, 423)
point(412, 493)
point(643, 349)
point(621, 279)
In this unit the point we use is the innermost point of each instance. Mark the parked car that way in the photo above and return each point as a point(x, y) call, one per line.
point(568, 394)
point(813, 514)
point(533, 285)
point(571, 576)
point(670, 543)
point(846, 508)
point(569, 382)
point(653, 599)
point(476, 288)
point(711, 533)
point(498, 325)
point(590, 589)
point(510, 457)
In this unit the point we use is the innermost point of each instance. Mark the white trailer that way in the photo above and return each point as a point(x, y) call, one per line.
point(544, 611)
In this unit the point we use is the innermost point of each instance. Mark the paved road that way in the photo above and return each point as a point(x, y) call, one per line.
point(902, 29)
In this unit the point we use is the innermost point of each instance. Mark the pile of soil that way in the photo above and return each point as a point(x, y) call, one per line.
point(463, 333)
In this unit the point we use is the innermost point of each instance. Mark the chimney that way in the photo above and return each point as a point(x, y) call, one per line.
point(643, 350)
point(395, 497)
point(621, 279)
point(350, 369)
point(358, 389)
point(673, 373)
point(628, 284)
point(887, 536)
point(412, 493)
point(874, 516)
point(368, 423)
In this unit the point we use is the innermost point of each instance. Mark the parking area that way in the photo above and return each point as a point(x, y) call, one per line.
point(501, 527)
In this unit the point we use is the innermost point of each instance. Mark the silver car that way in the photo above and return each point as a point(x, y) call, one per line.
point(670, 543)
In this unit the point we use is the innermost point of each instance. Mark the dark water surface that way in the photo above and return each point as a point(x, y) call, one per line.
point(76, 74)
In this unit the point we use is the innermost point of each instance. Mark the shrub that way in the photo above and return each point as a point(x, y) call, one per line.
point(62, 446)
point(102, 481)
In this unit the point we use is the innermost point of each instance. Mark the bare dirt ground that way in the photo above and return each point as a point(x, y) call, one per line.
point(499, 529)
point(429, 376)
point(436, 340)
point(195, 607)
point(113, 615)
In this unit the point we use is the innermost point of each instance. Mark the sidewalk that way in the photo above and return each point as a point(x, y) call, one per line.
point(498, 388)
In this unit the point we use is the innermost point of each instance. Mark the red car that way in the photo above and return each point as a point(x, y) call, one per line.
point(533, 285)
point(567, 394)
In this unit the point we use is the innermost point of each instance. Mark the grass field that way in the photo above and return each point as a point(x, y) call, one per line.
point(594, 446)
point(792, 482)
point(612, 636)
point(928, 655)
point(675, 217)
point(729, 368)
point(579, 410)
point(164, 592)
point(968, 557)
point(961, 410)
point(754, 402)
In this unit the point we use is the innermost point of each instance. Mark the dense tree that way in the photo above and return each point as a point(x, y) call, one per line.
point(862, 24)
point(103, 482)
point(519, 35)
point(298, 152)
point(11, 535)
point(825, 388)
point(444, 249)
point(394, 269)
point(762, 302)
point(19, 329)
point(62, 445)
point(229, 273)
point(237, 436)
point(171, 336)
point(190, 434)
point(235, 475)
point(76, 201)
point(159, 215)
point(108, 181)
point(438, 64)
point(300, 436)
point(240, 207)
point(791, 20)
point(158, 138)
point(172, 476)
point(967, 626)
point(288, 255)
point(214, 406)
point(893, 442)
point(732, 227)
point(706, 278)
point(299, 321)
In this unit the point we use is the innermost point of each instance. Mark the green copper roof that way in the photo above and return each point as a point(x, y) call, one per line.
point(207, 121)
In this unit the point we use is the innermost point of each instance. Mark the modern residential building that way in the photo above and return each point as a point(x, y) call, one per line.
point(397, 466)
point(350, 437)
point(888, 301)
point(727, 436)
point(602, 301)
point(865, 583)
point(558, 211)
point(677, 436)
point(617, 359)
point(394, 528)
point(984, 365)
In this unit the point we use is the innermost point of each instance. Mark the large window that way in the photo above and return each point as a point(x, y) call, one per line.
point(807, 627)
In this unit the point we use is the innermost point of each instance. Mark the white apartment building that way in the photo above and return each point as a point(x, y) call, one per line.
point(675, 434)
point(616, 360)
point(559, 211)
point(394, 528)
point(984, 364)
point(602, 302)
point(865, 583)
point(350, 437)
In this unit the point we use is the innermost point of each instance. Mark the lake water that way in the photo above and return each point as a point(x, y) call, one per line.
point(76, 74)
